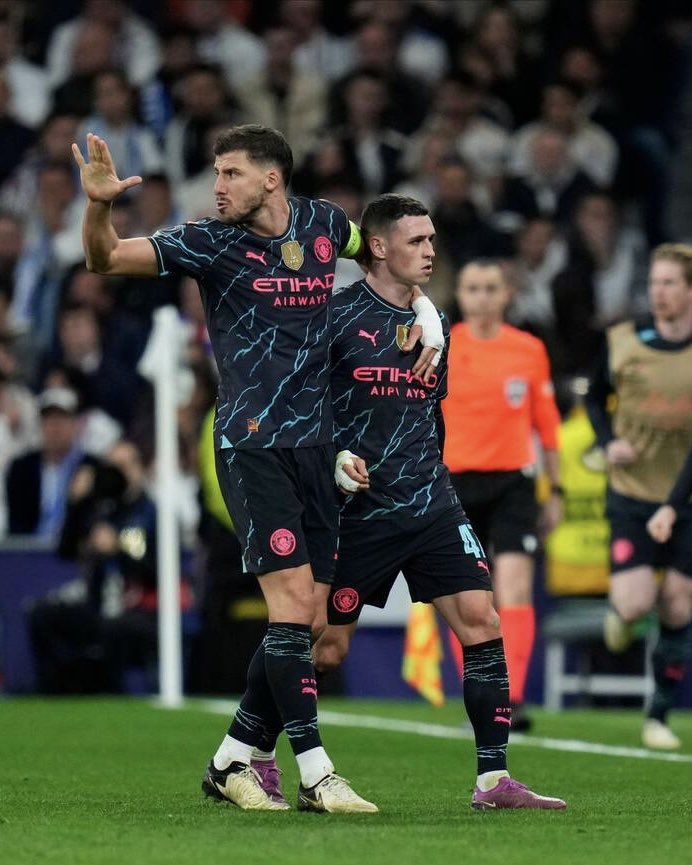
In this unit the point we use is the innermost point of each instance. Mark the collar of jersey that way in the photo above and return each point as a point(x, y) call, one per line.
point(381, 300)
point(291, 223)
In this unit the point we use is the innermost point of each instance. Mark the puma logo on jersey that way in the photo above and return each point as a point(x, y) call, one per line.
point(258, 256)
point(371, 336)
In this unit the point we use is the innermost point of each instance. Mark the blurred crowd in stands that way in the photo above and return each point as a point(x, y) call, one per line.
point(539, 132)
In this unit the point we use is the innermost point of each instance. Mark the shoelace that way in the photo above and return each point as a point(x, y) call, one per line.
point(255, 773)
point(335, 780)
point(271, 778)
point(516, 785)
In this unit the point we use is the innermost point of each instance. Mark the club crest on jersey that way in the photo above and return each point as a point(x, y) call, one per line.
point(515, 391)
point(323, 249)
point(252, 425)
point(402, 332)
point(292, 254)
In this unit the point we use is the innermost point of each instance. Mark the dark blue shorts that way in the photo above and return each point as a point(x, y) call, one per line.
point(284, 506)
point(438, 554)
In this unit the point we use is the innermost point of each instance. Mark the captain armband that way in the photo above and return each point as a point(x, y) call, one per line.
point(354, 242)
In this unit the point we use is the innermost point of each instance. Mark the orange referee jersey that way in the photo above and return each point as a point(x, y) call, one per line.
point(499, 390)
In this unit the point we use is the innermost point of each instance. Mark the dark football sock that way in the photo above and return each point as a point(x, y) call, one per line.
point(486, 697)
point(291, 677)
point(670, 664)
point(257, 713)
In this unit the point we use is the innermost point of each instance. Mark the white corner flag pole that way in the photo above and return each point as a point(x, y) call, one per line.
point(160, 365)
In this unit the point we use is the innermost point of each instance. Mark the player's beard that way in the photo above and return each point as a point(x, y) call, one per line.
point(252, 207)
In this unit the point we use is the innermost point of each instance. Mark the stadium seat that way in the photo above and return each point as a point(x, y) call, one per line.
point(576, 624)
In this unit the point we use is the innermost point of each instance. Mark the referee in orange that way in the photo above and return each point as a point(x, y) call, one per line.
point(500, 396)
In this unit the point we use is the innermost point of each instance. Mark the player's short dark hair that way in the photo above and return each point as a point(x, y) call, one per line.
point(387, 209)
point(383, 212)
point(262, 144)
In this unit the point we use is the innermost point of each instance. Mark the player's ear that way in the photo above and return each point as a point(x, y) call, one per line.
point(378, 247)
point(272, 179)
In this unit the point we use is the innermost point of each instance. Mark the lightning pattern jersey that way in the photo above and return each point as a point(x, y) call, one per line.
point(266, 301)
point(384, 413)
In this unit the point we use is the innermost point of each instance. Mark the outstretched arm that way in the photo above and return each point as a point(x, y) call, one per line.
point(105, 252)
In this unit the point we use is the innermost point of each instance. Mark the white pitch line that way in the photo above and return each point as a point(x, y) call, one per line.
point(442, 731)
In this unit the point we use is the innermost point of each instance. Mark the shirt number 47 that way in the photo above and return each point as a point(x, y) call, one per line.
point(471, 543)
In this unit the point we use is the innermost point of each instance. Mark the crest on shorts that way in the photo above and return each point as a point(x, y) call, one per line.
point(282, 542)
point(292, 254)
point(402, 332)
point(345, 600)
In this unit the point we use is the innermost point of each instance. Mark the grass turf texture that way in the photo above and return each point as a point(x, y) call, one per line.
point(117, 781)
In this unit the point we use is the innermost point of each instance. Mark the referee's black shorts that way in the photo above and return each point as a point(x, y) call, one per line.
point(502, 507)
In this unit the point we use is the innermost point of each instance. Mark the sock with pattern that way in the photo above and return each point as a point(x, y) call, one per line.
point(257, 712)
point(670, 664)
point(486, 697)
point(291, 677)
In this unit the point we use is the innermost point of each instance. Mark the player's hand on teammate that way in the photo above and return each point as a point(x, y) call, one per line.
point(351, 473)
point(99, 178)
point(660, 526)
point(427, 329)
point(619, 452)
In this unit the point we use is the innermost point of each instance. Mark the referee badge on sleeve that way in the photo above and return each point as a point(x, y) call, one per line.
point(515, 391)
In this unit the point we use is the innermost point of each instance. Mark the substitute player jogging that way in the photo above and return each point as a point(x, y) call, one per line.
point(647, 365)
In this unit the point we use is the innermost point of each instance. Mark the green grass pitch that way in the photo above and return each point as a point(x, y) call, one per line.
point(101, 781)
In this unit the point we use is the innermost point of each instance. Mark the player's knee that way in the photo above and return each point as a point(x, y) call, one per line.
point(482, 617)
point(631, 608)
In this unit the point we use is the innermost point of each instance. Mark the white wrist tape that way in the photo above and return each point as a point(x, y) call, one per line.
point(429, 320)
point(345, 458)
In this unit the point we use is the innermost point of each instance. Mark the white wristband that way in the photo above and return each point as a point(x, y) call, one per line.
point(429, 320)
point(343, 481)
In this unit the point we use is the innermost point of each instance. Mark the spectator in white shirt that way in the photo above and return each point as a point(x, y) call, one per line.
point(592, 148)
point(135, 44)
point(28, 83)
point(222, 41)
point(317, 51)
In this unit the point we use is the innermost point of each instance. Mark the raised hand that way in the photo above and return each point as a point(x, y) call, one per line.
point(99, 178)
